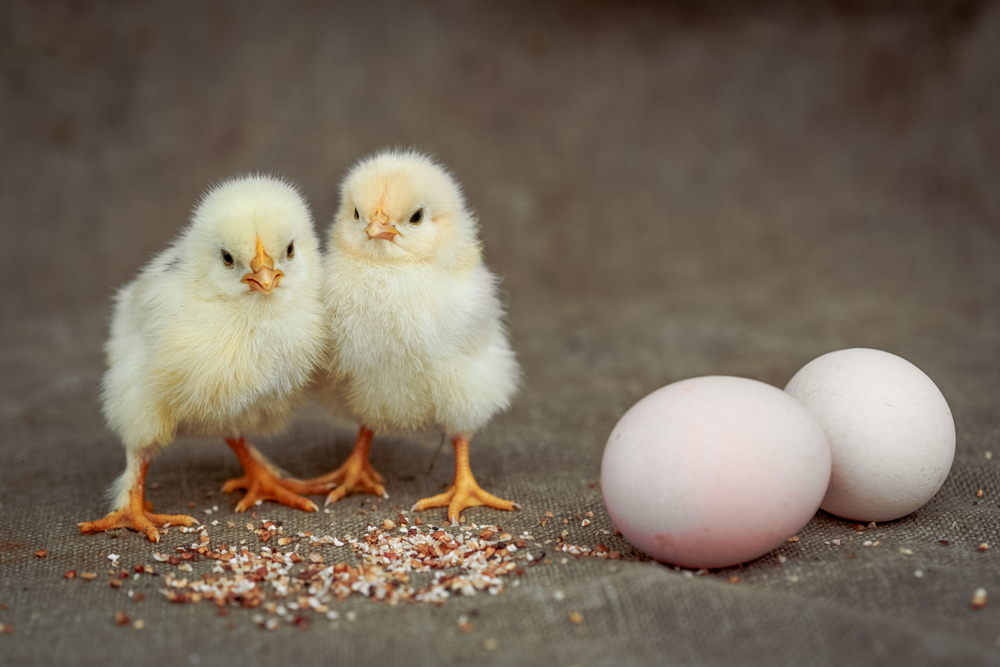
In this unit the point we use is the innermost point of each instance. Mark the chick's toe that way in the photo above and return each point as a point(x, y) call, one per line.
point(465, 491)
point(137, 514)
point(262, 482)
point(356, 475)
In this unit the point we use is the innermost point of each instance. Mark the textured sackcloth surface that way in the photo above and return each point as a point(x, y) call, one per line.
point(667, 190)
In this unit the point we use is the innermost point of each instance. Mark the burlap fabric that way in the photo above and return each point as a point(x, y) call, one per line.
point(667, 190)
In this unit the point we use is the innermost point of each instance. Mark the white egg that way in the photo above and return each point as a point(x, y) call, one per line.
point(714, 471)
point(891, 432)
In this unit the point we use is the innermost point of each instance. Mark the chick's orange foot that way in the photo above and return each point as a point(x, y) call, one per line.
point(141, 521)
point(264, 481)
point(137, 513)
point(465, 491)
point(356, 475)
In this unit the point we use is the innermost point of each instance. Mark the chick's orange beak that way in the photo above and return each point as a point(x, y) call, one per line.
point(379, 227)
point(263, 277)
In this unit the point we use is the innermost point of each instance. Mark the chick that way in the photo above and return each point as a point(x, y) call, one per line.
point(217, 336)
point(416, 332)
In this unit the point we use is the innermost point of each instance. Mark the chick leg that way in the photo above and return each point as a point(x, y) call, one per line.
point(464, 491)
point(263, 481)
point(135, 513)
point(356, 475)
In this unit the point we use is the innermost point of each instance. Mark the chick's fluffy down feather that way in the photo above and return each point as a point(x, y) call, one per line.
point(193, 351)
point(416, 332)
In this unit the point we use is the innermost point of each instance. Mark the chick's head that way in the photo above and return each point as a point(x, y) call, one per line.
point(251, 240)
point(401, 206)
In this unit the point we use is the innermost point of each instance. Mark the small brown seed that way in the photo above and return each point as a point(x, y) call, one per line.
point(576, 617)
point(979, 598)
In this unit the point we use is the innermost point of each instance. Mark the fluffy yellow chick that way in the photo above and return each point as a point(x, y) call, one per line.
point(217, 337)
point(416, 332)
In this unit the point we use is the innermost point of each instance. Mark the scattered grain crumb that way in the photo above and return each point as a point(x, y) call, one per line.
point(905, 551)
point(6, 628)
point(559, 596)
point(989, 455)
point(42, 553)
point(139, 625)
point(979, 493)
point(351, 616)
point(979, 598)
point(70, 574)
point(388, 524)
point(576, 617)
point(121, 618)
point(919, 574)
point(793, 539)
point(89, 576)
point(489, 644)
point(984, 546)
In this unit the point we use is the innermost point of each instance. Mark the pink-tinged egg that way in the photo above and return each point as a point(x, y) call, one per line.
point(891, 431)
point(714, 471)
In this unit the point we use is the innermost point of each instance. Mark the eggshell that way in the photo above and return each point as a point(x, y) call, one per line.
point(714, 471)
point(891, 432)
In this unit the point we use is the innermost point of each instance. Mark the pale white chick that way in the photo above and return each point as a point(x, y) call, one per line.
point(416, 325)
point(217, 337)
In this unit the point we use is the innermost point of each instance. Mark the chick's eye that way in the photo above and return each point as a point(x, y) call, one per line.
point(356, 216)
point(290, 252)
point(417, 217)
point(227, 259)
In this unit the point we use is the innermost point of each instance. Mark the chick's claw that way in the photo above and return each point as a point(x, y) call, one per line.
point(462, 496)
point(266, 487)
point(356, 475)
point(262, 483)
point(465, 491)
point(141, 521)
point(136, 512)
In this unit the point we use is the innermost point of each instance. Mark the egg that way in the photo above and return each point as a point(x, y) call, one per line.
point(892, 435)
point(714, 471)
